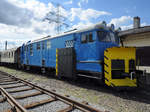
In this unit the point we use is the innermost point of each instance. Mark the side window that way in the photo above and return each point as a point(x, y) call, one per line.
point(31, 49)
point(38, 46)
point(83, 38)
point(48, 44)
point(11, 54)
point(102, 36)
point(88, 37)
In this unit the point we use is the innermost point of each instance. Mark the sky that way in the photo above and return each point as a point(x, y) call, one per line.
point(22, 20)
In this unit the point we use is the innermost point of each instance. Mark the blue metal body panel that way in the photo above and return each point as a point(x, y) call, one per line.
point(87, 55)
point(91, 52)
point(47, 54)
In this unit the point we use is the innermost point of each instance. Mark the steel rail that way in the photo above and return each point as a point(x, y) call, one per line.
point(72, 103)
point(12, 101)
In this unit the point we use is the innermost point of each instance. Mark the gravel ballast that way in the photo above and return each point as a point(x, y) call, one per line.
point(97, 96)
point(4, 106)
point(30, 100)
point(51, 107)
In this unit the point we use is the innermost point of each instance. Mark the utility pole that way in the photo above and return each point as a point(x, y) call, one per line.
point(58, 20)
point(56, 17)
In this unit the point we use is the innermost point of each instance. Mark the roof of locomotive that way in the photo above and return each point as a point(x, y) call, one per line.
point(95, 26)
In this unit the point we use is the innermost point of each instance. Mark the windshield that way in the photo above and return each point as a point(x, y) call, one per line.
point(104, 36)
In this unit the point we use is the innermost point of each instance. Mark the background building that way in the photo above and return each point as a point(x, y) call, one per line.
point(140, 38)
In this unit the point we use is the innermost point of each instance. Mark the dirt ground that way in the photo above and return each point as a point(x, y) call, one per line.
point(126, 101)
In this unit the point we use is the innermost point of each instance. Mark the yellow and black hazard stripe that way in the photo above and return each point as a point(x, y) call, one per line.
point(56, 62)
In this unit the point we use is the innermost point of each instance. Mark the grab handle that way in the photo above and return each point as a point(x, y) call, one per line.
point(131, 74)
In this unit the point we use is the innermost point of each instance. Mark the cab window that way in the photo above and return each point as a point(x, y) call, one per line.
point(83, 38)
point(104, 36)
point(48, 44)
point(31, 49)
point(90, 37)
point(38, 46)
point(87, 37)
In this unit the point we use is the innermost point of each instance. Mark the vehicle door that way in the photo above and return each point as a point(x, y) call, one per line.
point(87, 47)
point(43, 53)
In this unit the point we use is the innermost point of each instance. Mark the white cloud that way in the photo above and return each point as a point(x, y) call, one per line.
point(23, 20)
point(86, 15)
point(68, 2)
point(125, 22)
point(144, 24)
point(126, 27)
point(121, 21)
point(79, 4)
point(130, 26)
point(82, 2)
point(14, 15)
point(81, 25)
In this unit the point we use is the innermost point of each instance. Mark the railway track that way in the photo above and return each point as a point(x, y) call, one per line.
point(17, 95)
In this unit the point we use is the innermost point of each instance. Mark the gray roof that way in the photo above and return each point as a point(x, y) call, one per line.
point(10, 50)
point(134, 31)
point(98, 25)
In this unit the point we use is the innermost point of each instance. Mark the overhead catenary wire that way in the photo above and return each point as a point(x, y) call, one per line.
point(56, 17)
